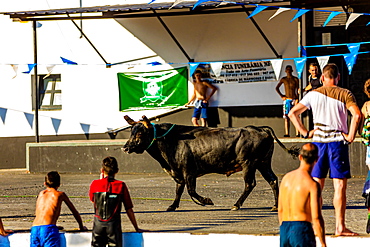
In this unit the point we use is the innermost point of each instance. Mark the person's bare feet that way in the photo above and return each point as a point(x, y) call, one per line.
point(346, 232)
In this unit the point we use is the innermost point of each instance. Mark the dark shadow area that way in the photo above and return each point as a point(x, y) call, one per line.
point(255, 111)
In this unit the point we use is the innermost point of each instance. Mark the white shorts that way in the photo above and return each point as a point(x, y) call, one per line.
point(367, 160)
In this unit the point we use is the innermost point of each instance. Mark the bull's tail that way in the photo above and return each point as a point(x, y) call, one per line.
point(293, 150)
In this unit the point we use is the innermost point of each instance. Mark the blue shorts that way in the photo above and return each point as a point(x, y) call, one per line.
point(202, 110)
point(45, 236)
point(287, 106)
point(333, 156)
point(297, 234)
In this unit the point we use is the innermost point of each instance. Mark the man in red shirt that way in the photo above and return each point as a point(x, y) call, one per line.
point(107, 194)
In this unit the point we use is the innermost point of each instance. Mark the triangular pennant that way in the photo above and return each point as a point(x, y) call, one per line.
point(30, 68)
point(176, 3)
point(29, 118)
point(216, 67)
point(276, 65)
point(322, 60)
point(280, 10)
point(15, 68)
point(300, 13)
point(354, 48)
point(299, 65)
point(304, 51)
point(56, 123)
point(193, 67)
point(331, 16)
point(38, 24)
point(68, 61)
point(199, 2)
point(154, 63)
point(352, 17)
point(49, 68)
point(350, 61)
point(3, 112)
point(85, 128)
point(258, 9)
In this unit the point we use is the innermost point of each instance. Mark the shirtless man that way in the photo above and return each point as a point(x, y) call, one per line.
point(300, 203)
point(201, 102)
point(44, 231)
point(291, 86)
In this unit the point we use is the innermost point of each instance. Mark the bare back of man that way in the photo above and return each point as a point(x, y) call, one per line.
point(300, 203)
point(297, 188)
point(48, 207)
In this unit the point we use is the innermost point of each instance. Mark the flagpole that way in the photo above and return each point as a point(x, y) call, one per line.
point(36, 81)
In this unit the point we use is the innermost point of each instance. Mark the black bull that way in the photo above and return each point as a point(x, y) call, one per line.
point(187, 152)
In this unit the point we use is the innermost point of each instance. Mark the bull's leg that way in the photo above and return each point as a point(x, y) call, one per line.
point(272, 179)
point(191, 186)
point(179, 190)
point(250, 183)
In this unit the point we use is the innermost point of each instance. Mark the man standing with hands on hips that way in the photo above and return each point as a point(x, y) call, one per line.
point(329, 105)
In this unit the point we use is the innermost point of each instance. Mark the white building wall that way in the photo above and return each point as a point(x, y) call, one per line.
point(89, 90)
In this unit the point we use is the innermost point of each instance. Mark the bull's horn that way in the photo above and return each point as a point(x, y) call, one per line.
point(146, 122)
point(129, 120)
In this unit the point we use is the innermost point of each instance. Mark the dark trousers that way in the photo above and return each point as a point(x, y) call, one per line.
point(104, 233)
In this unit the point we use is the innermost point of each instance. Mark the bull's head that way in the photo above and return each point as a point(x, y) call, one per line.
point(141, 135)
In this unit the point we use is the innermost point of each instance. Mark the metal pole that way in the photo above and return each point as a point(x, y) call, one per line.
point(36, 81)
point(173, 37)
point(81, 36)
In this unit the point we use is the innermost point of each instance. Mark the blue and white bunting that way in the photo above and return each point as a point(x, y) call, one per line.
point(67, 61)
point(193, 67)
point(199, 2)
point(276, 65)
point(300, 13)
point(56, 123)
point(15, 68)
point(3, 112)
point(351, 18)
point(29, 118)
point(30, 68)
point(322, 61)
point(85, 128)
point(279, 11)
point(350, 61)
point(331, 16)
point(299, 65)
point(176, 3)
point(258, 9)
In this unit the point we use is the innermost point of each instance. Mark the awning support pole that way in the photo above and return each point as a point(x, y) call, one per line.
point(92, 45)
point(173, 36)
point(277, 55)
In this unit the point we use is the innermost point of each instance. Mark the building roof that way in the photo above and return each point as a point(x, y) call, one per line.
point(166, 9)
point(136, 10)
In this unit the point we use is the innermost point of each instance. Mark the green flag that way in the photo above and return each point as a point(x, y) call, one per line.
point(153, 90)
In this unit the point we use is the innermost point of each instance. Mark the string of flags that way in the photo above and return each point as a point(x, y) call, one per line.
point(350, 59)
point(260, 8)
point(55, 121)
